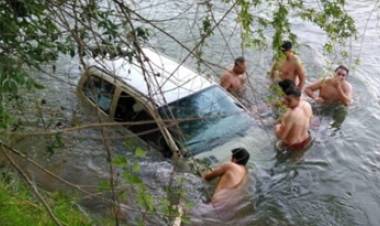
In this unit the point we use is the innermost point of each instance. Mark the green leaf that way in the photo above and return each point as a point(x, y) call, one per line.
point(328, 47)
point(104, 185)
point(140, 152)
point(119, 161)
point(130, 143)
point(131, 178)
point(145, 199)
point(136, 168)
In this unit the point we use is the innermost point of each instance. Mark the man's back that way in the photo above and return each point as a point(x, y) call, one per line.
point(233, 176)
point(299, 118)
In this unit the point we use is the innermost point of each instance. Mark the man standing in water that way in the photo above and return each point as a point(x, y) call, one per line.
point(332, 90)
point(232, 175)
point(293, 129)
point(233, 80)
point(290, 67)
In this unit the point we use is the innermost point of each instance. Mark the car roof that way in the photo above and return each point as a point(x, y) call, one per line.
point(161, 84)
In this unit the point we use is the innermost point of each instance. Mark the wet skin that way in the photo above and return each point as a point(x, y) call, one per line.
point(234, 80)
point(231, 175)
point(291, 68)
point(295, 123)
point(332, 90)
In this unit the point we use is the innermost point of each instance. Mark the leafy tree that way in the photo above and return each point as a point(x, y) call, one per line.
point(33, 33)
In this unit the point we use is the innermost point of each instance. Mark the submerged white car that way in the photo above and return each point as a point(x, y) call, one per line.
point(181, 113)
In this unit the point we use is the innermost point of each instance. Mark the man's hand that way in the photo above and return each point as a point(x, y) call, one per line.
point(277, 129)
point(204, 173)
point(319, 100)
point(338, 83)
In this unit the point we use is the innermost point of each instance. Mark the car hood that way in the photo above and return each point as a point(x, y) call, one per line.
point(254, 139)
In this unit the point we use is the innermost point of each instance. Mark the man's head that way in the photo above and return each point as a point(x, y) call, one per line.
point(286, 84)
point(292, 96)
point(341, 72)
point(240, 156)
point(286, 46)
point(239, 66)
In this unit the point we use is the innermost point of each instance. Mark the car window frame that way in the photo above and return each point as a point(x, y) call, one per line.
point(88, 76)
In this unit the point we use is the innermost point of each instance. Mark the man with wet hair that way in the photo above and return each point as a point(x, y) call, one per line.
point(232, 175)
point(293, 128)
point(286, 84)
point(233, 80)
point(332, 90)
point(288, 67)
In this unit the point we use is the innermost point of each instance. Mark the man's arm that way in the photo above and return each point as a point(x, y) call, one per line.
point(216, 172)
point(310, 89)
point(243, 78)
point(224, 81)
point(345, 95)
point(273, 70)
point(283, 128)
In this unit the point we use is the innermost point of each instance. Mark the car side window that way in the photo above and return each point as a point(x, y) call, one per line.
point(129, 109)
point(100, 92)
point(124, 109)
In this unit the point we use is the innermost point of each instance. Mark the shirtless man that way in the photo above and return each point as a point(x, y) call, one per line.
point(234, 80)
point(293, 129)
point(289, 67)
point(232, 174)
point(332, 90)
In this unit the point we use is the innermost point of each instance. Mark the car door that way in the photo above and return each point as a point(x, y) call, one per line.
point(99, 92)
point(129, 109)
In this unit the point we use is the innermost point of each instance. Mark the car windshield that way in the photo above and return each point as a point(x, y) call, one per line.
point(207, 119)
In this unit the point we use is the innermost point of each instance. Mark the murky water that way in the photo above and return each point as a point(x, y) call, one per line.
point(336, 182)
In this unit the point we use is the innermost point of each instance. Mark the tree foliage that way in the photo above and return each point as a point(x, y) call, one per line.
point(34, 33)
point(330, 16)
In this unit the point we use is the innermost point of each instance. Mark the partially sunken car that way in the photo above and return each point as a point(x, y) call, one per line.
point(172, 108)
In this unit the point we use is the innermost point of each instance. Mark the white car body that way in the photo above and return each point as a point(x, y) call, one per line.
point(159, 84)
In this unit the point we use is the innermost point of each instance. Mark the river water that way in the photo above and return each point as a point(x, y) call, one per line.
point(335, 182)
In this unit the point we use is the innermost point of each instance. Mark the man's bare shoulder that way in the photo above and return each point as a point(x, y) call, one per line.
point(296, 60)
point(326, 81)
point(307, 107)
point(229, 165)
point(306, 104)
point(347, 85)
point(295, 114)
point(226, 74)
point(291, 115)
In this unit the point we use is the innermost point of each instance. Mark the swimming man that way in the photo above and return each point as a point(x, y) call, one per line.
point(289, 67)
point(232, 175)
point(332, 90)
point(293, 128)
point(233, 80)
